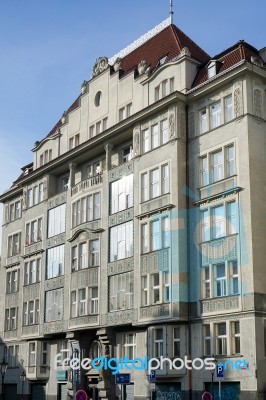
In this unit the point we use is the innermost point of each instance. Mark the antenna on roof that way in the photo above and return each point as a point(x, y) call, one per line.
point(171, 11)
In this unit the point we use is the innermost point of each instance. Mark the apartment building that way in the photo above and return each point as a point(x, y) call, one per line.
point(138, 229)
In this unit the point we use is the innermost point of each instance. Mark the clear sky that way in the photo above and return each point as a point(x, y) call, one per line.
point(48, 47)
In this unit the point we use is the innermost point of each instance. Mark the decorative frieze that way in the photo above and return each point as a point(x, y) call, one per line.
point(57, 200)
point(54, 283)
point(219, 250)
point(56, 240)
point(136, 141)
point(120, 171)
point(83, 278)
point(160, 310)
point(86, 320)
point(182, 124)
point(221, 304)
point(31, 292)
point(119, 267)
point(119, 317)
point(54, 327)
point(155, 261)
point(238, 106)
point(33, 248)
point(218, 188)
point(172, 123)
point(153, 205)
point(122, 216)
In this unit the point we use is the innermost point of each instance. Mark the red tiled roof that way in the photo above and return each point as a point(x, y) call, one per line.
point(59, 123)
point(228, 58)
point(170, 42)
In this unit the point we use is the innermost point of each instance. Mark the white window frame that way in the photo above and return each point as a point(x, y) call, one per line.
point(154, 241)
point(56, 220)
point(32, 271)
point(31, 312)
point(121, 241)
point(148, 182)
point(161, 287)
point(34, 232)
point(14, 244)
point(121, 192)
point(121, 291)
point(55, 261)
point(12, 281)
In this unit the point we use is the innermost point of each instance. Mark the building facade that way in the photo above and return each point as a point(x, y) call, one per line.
point(138, 230)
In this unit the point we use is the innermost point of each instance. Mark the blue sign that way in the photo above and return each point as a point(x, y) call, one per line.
point(122, 379)
point(219, 371)
point(152, 376)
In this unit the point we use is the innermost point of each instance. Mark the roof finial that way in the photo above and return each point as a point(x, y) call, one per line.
point(171, 11)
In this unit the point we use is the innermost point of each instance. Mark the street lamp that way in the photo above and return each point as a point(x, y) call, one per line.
point(3, 366)
point(22, 378)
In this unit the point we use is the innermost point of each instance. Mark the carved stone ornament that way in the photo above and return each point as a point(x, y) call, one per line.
point(142, 67)
point(171, 122)
point(117, 64)
point(237, 102)
point(257, 103)
point(63, 118)
point(136, 143)
point(100, 65)
point(185, 52)
point(84, 87)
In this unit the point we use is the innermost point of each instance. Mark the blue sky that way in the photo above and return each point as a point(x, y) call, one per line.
point(47, 48)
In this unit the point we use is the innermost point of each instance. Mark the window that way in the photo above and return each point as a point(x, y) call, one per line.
point(31, 311)
point(158, 349)
point(221, 339)
point(84, 302)
point(62, 347)
point(203, 121)
point(35, 195)
point(216, 115)
point(86, 209)
point(176, 342)
point(155, 288)
point(154, 136)
point(55, 261)
point(121, 288)
point(32, 271)
point(46, 157)
point(44, 354)
point(220, 279)
point(125, 112)
point(230, 161)
point(165, 87)
point(54, 305)
point(122, 194)
point(219, 221)
point(81, 258)
point(155, 183)
point(74, 141)
point(235, 337)
point(32, 354)
point(204, 171)
point(98, 128)
point(56, 220)
point(127, 153)
point(155, 234)
point(12, 281)
point(212, 69)
point(94, 169)
point(14, 211)
point(13, 356)
point(129, 345)
point(33, 231)
point(228, 108)
point(121, 241)
point(11, 319)
point(98, 99)
point(206, 339)
point(217, 166)
point(14, 244)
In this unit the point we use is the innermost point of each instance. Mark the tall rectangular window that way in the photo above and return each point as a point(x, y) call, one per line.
point(146, 140)
point(129, 345)
point(154, 136)
point(206, 282)
point(221, 289)
point(230, 160)
point(216, 115)
point(204, 171)
point(165, 178)
point(32, 271)
point(73, 310)
point(122, 194)
point(234, 277)
point(57, 220)
point(144, 187)
point(121, 291)
point(121, 241)
point(155, 235)
point(218, 221)
point(203, 121)
point(94, 300)
point(221, 339)
point(206, 339)
point(235, 337)
point(158, 343)
point(205, 226)
point(176, 342)
point(164, 131)
point(14, 244)
point(231, 218)
point(32, 354)
point(217, 166)
point(228, 108)
point(154, 183)
point(55, 261)
point(54, 305)
point(12, 281)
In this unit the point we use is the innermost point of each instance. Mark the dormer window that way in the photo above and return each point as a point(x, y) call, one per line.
point(161, 61)
point(212, 69)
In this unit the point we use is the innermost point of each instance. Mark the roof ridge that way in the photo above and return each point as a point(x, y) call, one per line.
point(192, 41)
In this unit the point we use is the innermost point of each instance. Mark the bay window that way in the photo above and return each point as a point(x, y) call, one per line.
point(56, 220)
point(55, 261)
point(86, 209)
point(121, 241)
point(122, 194)
point(121, 291)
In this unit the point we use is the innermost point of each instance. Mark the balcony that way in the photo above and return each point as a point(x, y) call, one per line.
point(87, 183)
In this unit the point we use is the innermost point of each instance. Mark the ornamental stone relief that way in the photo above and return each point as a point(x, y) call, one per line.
point(81, 279)
point(217, 305)
point(257, 103)
point(121, 170)
point(100, 65)
point(172, 125)
point(54, 327)
point(122, 216)
point(54, 283)
point(57, 200)
point(162, 310)
point(136, 142)
point(120, 267)
point(155, 261)
point(119, 318)
point(154, 205)
point(237, 102)
point(56, 240)
point(219, 250)
point(86, 320)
